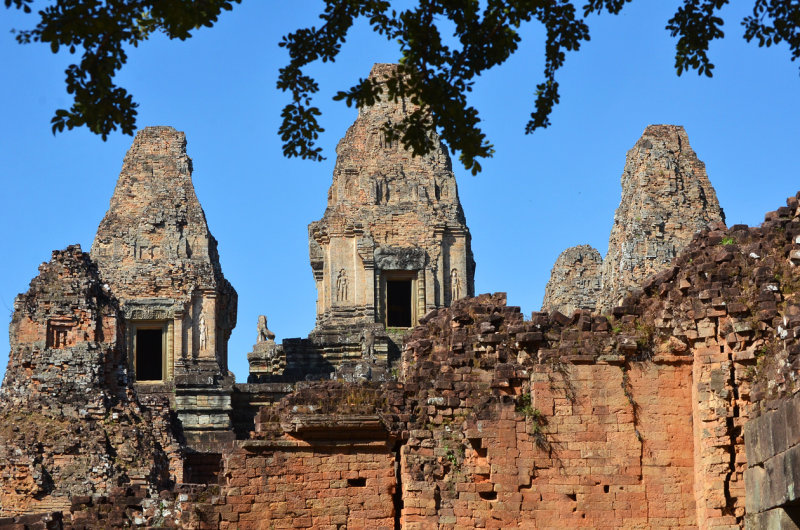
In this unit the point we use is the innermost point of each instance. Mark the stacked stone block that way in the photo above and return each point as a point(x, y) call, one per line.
point(773, 466)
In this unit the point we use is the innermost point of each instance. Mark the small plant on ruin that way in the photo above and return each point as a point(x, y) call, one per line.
point(646, 331)
point(524, 404)
point(538, 421)
point(525, 407)
point(727, 240)
point(454, 451)
point(159, 518)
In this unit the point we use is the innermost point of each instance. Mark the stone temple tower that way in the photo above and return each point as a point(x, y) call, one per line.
point(155, 253)
point(667, 198)
point(392, 245)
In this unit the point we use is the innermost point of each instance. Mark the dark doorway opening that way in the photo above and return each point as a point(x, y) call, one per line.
point(202, 468)
point(398, 303)
point(149, 354)
point(793, 511)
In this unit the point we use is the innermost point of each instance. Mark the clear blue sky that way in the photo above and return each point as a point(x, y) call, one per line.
point(539, 195)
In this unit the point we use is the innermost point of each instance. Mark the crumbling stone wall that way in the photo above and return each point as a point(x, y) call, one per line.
point(69, 422)
point(543, 422)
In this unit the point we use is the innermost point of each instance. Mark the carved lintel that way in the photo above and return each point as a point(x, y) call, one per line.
point(400, 258)
point(152, 309)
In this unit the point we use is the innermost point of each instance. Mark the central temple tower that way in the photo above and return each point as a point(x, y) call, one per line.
point(393, 243)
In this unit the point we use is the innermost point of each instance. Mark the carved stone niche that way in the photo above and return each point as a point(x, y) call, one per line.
point(60, 334)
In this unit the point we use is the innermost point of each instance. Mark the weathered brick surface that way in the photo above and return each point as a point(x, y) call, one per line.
point(296, 484)
point(543, 424)
point(154, 241)
point(666, 199)
point(323, 457)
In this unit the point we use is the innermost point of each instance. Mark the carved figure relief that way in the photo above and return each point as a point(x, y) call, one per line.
point(341, 286)
point(203, 330)
point(455, 285)
point(264, 334)
point(381, 191)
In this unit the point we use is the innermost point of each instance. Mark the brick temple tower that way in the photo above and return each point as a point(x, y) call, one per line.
point(393, 243)
point(154, 251)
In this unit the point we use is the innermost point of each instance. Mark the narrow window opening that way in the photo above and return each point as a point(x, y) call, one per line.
point(149, 354)
point(398, 303)
point(357, 482)
point(488, 495)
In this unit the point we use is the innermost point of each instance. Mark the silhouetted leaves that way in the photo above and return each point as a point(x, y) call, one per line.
point(101, 30)
point(436, 74)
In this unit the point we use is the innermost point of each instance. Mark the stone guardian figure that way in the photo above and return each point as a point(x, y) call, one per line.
point(203, 330)
point(264, 334)
point(368, 344)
